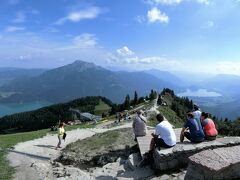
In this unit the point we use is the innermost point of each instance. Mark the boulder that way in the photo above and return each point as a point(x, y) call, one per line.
point(177, 156)
point(220, 163)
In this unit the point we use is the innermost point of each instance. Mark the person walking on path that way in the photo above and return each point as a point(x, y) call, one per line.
point(209, 127)
point(192, 130)
point(140, 125)
point(61, 131)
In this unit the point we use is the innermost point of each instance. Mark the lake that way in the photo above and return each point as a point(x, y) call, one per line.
point(6, 109)
point(199, 93)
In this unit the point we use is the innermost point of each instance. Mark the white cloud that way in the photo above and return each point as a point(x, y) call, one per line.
point(124, 57)
point(25, 57)
point(20, 17)
point(155, 15)
point(31, 50)
point(85, 40)
point(76, 16)
point(140, 19)
point(168, 2)
point(206, 2)
point(125, 51)
point(80, 42)
point(208, 25)
point(175, 2)
point(14, 28)
point(228, 67)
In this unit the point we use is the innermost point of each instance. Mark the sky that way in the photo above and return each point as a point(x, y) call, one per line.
point(199, 36)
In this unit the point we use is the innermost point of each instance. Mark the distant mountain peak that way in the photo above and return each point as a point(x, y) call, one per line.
point(81, 62)
point(80, 66)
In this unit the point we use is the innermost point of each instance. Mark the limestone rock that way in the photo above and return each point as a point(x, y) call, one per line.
point(177, 156)
point(221, 163)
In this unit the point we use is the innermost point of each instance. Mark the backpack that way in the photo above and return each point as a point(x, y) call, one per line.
point(64, 136)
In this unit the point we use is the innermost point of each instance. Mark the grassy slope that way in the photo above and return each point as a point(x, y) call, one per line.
point(8, 141)
point(99, 149)
point(169, 114)
point(101, 108)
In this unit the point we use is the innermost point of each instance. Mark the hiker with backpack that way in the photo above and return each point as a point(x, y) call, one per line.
point(61, 134)
point(139, 125)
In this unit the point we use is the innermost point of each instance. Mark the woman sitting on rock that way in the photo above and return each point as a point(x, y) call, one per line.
point(192, 130)
point(164, 135)
point(209, 127)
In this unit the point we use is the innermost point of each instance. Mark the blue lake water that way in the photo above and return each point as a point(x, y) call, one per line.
point(199, 93)
point(6, 109)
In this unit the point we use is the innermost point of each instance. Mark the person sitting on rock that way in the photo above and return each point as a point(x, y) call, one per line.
point(209, 127)
point(196, 112)
point(192, 130)
point(139, 125)
point(164, 135)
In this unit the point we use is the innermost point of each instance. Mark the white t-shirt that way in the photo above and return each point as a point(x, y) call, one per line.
point(165, 131)
point(197, 114)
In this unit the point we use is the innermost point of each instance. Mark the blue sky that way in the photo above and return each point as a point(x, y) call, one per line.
point(174, 35)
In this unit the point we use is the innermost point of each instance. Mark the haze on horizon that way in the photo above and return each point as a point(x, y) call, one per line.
point(173, 35)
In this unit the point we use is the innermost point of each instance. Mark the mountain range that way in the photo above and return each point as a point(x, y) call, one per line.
point(9, 74)
point(81, 79)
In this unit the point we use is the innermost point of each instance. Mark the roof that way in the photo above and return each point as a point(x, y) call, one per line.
point(90, 116)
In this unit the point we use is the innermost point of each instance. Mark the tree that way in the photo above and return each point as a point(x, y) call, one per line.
point(153, 95)
point(159, 101)
point(127, 102)
point(135, 100)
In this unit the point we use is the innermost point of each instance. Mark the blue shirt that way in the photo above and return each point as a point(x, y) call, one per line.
point(195, 128)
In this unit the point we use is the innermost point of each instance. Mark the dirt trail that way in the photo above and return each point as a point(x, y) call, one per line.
point(31, 159)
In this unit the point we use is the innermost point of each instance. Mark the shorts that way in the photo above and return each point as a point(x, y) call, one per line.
point(160, 143)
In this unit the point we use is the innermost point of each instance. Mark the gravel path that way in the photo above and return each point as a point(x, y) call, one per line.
point(32, 159)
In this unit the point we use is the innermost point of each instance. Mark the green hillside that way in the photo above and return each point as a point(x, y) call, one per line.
point(49, 116)
point(101, 108)
point(173, 108)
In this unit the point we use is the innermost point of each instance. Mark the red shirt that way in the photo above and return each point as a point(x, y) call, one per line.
point(209, 127)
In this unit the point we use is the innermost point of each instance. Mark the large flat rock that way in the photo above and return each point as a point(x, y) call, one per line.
point(221, 163)
point(177, 156)
point(144, 141)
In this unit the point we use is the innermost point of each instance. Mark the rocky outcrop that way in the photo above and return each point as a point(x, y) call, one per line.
point(177, 157)
point(221, 163)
